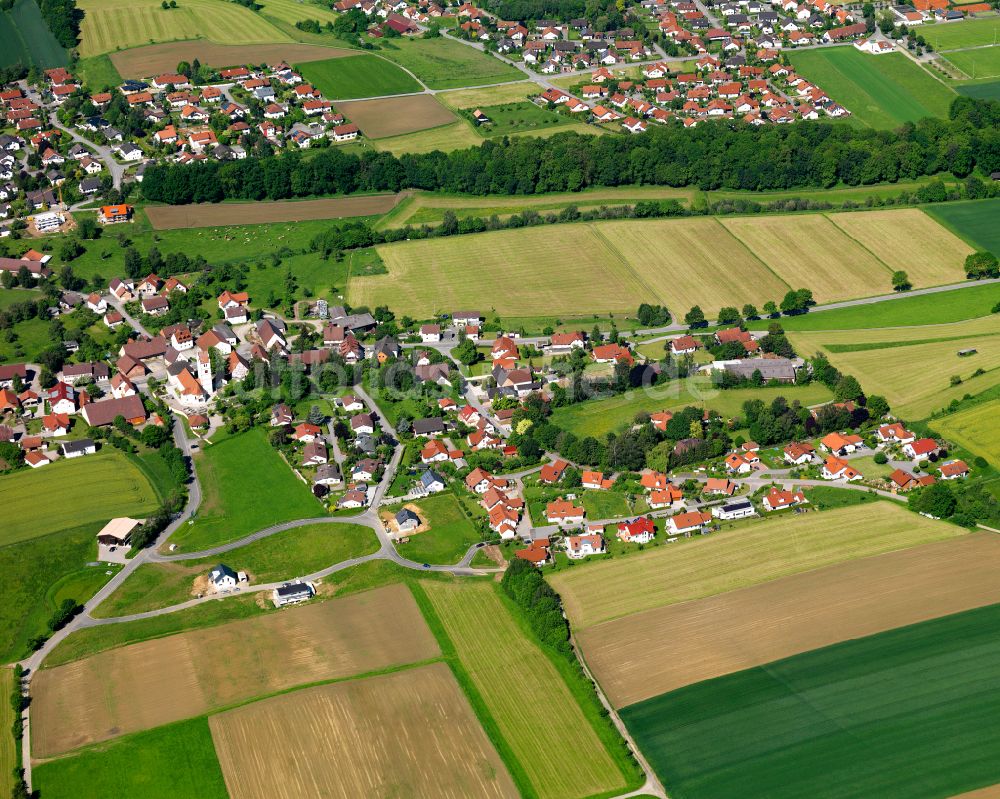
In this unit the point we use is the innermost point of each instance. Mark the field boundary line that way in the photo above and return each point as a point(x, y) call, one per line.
point(829, 218)
point(914, 59)
point(617, 254)
point(753, 254)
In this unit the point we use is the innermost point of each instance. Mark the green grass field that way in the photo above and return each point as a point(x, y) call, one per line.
point(604, 504)
point(531, 711)
point(445, 64)
point(246, 487)
point(8, 750)
point(450, 534)
point(27, 39)
point(292, 11)
point(982, 62)
point(357, 76)
point(975, 428)
point(455, 136)
point(970, 33)
point(859, 719)
point(600, 416)
point(163, 763)
point(96, 488)
point(283, 556)
point(519, 117)
point(981, 91)
point(98, 72)
point(883, 91)
point(974, 220)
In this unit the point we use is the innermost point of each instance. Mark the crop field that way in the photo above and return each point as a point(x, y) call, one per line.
point(882, 92)
point(96, 488)
point(174, 217)
point(971, 33)
point(908, 239)
point(975, 428)
point(396, 116)
point(292, 11)
point(450, 534)
point(165, 763)
point(913, 369)
point(981, 62)
point(410, 733)
point(293, 553)
point(154, 59)
point(228, 511)
point(488, 95)
point(357, 76)
point(694, 262)
point(491, 647)
point(981, 91)
point(859, 719)
point(811, 252)
point(156, 682)
point(647, 654)
point(432, 276)
point(597, 417)
point(455, 136)
point(27, 39)
point(110, 25)
point(754, 553)
point(975, 221)
point(445, 64)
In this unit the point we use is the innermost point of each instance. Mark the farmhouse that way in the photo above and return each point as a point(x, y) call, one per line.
point(104, 412)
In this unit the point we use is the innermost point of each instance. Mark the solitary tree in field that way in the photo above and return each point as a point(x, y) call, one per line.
point(901, 281)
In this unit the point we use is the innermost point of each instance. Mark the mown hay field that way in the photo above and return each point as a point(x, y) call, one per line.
point(977, 429)
point(913, 369)
point(396, 116)
point(488, 95)
point(647, 654)
point(70, 493)
point(912, 712)
point(909, 240)
point(531, 704)
point(455, 136)
point(292, 11)
point(147, 684)
point(110, 25)
point(978, 63)
point(971, 33)
point(694, 262)
point(754, 553)
point(809, 251)
point(533, 271)
point(446, 64)
point(27, 39)
point(174, 217)
point(154, 59)
point(410, 733)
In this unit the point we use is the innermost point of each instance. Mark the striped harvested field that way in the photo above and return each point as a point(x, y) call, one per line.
point(154, 59)
point(396, 116)
point(172, 217)
point(411, 733)
point(488, 95)
point(155, 682)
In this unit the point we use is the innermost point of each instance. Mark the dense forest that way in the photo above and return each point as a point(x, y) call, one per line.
point(63, 19)
point(711, 156)
point(604, 13)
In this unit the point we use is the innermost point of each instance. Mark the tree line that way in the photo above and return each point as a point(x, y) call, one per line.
point(714, 155)
point(63, 19)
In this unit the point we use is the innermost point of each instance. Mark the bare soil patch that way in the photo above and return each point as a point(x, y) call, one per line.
point(156, 682)
point(660, 650)
point(155, 59)
point(172, 217)
point(411, 733)
point(395, 116)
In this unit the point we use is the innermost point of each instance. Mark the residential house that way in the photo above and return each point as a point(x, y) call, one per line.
point(952, 470)
point(841, 443)
point(564, 513)
point(777, 499)
point(921, 449)
point(835, 468)
point(799, 454)
point(580, 546)
point(553, 472)
point(687, 523)
point(637, 531)
point(738, 509)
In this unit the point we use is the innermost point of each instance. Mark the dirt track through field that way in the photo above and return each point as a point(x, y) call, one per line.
point(660, 650)
point(173, 217)
point(156, 682)
point(408, 734)
point(379, 119)
point(154, 59)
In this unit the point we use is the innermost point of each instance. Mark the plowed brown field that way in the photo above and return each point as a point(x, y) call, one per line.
point(156, 682)
point(659, 650)
point(410, 734)
point(395, 116)
point(155, 59)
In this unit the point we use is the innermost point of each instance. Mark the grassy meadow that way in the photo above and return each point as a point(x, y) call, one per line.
point(973, 220)
point(974, 428)
point(858, 719)
point(453, 136)
point(971, 33)
point(446, 64)
point(246, 486)
point(357, 76)
point(450, 535)
point(978, 63)
point(882, 92)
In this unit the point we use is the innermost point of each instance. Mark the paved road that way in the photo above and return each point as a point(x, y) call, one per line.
point(132, 322)
point(104, 153)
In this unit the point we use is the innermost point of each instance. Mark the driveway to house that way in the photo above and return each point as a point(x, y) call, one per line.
point(134, 323)
point(104, 153)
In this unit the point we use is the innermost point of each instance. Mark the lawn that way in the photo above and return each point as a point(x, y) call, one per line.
point(982, 62)
point(246, 487)
point(970, 33)
point(167, 762)
point(96, 488)
point(975, 428)
point(110, 25)
point(284, 556)
point(450, 534)
point(446, 64)
point(98, 73)
point(882, 92)
point(974, 220)
point(604, 505)
point(32, 337)
point(858, 719)
point(357, 76)
point(27, 39)
point(598, 417)
point(519, 117)
point(505, 667)
point(749, 554)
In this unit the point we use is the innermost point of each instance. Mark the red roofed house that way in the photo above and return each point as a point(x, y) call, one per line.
point(564, 512)
point(553, 472)
point(921, 449)
point(953, 470)
point(537, 553)
point(687, 523)
point(836, 469)
point(777, 499)
point(637, 531)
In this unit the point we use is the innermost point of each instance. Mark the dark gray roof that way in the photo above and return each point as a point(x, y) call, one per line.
point(224, 571)
point(770, 368)
point(293, 590)
point(428, 478)
point(80, 445)
point(424, 426)
point(741, 504)
point(406, 515)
